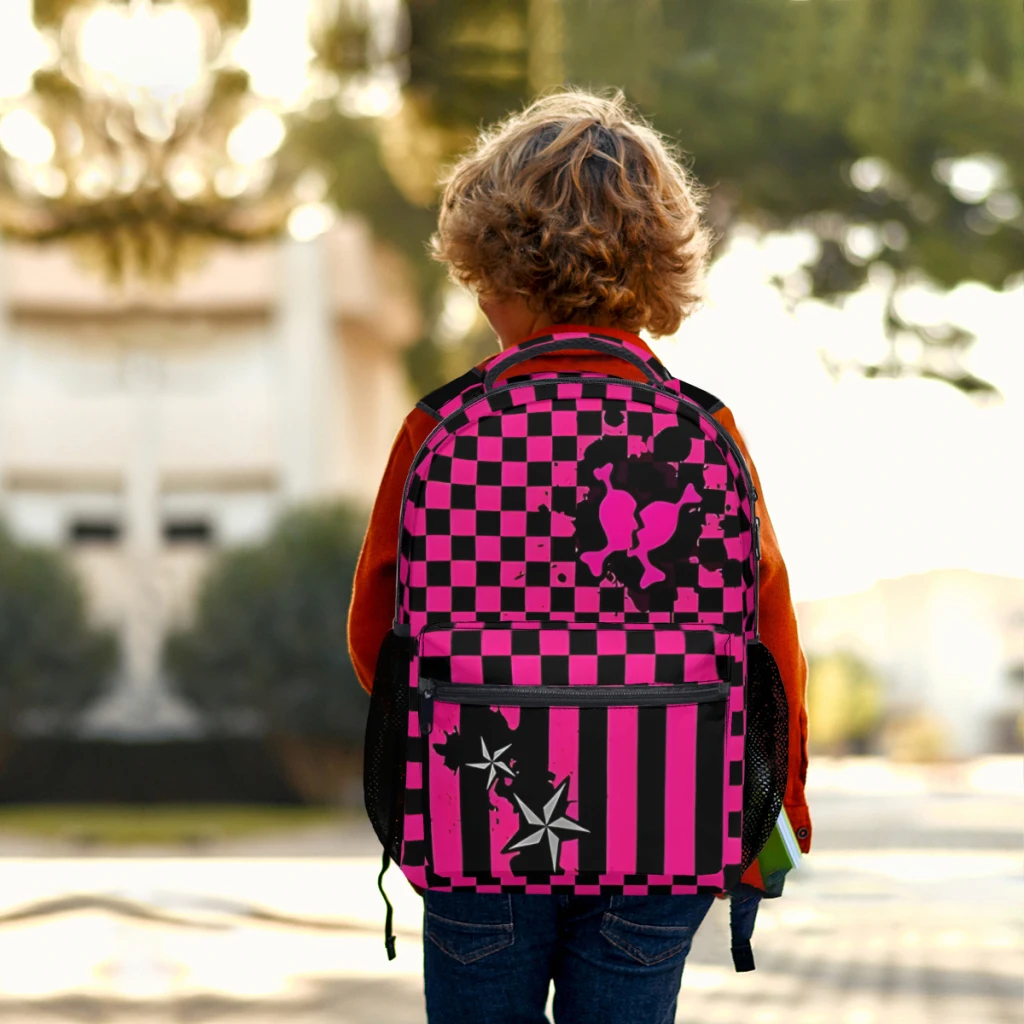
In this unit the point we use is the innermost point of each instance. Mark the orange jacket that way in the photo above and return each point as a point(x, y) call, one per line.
point(373, 594)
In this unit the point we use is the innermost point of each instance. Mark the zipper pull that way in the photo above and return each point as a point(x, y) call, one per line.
point(426, 694)
point(757, 537)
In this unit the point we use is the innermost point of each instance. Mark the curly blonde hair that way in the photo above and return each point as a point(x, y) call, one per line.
point(579, 206)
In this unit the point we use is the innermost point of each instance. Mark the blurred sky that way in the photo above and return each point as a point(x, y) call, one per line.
point(863, 479)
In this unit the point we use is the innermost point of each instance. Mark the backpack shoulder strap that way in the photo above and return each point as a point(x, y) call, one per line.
point(698, 396)
point(432, 404)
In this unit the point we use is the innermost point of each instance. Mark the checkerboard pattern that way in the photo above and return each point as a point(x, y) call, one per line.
point(576, 530)
point(489, 516)
point(576, 654)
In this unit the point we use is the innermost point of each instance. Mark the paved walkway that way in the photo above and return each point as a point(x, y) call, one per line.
point(909, 912)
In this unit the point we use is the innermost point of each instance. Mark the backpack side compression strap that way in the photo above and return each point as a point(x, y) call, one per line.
point(742, 912)
point(431, 403)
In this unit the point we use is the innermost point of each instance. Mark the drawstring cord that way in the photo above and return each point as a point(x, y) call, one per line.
point(389, 935)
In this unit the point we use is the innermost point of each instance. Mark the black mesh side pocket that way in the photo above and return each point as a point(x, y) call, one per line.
point(384, 751)
point(767, 750)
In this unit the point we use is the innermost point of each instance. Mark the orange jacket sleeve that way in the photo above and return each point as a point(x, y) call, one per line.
point(372, 609)
point(777, 624)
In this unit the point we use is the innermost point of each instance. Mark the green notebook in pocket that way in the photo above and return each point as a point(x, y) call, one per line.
point(781, 852)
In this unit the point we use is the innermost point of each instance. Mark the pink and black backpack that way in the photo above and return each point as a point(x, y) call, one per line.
point(574, 698)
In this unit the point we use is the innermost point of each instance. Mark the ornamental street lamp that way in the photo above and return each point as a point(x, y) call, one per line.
point(139, 132)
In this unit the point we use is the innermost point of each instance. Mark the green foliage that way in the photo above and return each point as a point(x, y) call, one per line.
point(844, 702)
point(49, 13)
point(128, 825)
point(469, 58)
point(777, 100)
point(268, 637)
point(349, 150)
point(822, 114)
point(52, 663)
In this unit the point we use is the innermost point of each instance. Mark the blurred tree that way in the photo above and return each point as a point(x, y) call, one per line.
point(49, 13)
point(267, 644)
point(844, 703)
point(467, 63)
point(915, 735)
point(52, 663)
point(893, 130)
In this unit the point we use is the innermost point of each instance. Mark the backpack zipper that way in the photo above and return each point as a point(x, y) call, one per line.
point(500, 695)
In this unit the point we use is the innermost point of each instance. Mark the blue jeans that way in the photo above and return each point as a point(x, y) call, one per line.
point(488, 959)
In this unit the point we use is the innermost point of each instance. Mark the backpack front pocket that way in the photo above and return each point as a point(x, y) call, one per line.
point(578, 754)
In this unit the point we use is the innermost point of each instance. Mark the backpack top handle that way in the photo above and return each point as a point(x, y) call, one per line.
point(647, 364)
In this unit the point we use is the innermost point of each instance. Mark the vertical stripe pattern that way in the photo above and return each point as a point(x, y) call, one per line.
point(592, 787)
point(650, 790)
point(622, 780)
point(680, 795)
point(447, 822)
point(563, 764)
point(709, 769)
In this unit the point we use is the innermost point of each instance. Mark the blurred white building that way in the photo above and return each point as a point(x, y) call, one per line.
point(948, 642)
point(142, 431)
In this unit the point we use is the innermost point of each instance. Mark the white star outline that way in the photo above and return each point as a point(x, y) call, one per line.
point(546, 827)
point(491, 763)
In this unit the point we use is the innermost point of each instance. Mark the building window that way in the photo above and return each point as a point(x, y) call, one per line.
point(94, 530)
point(188, 531)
